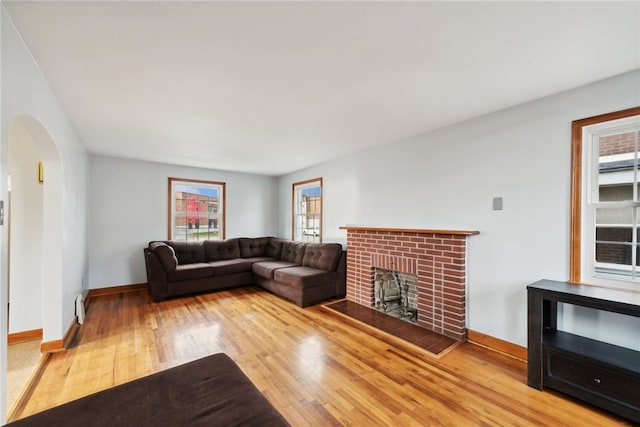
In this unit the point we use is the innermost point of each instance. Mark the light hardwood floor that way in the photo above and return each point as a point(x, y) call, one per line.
point(22, 360)
point(316, 367)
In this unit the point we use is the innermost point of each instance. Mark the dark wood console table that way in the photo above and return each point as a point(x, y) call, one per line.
point(599, 373)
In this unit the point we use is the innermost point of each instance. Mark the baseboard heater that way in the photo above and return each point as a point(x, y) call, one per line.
point(80, 309)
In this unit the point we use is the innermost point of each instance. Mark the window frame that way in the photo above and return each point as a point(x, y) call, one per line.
point(196, 183)
point(577, 173)
point(296, 189)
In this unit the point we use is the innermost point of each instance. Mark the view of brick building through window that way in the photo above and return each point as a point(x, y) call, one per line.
point(617, 177)
point(196, 209)
point(617, 144)
point(307, 210)
point(196, 216)
point(311, 207)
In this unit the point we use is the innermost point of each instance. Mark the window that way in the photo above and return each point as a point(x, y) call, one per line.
point(307, 210)
point(605, 200)
point(196, 210)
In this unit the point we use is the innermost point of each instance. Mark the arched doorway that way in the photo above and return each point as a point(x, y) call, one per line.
point(52, 226)
point(35, 252)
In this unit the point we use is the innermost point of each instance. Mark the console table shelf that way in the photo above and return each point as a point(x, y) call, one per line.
point(593, 349)
point(597, 372)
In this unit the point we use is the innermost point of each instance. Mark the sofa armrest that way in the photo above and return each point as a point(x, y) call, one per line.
point(156, 276)
point(166, 254)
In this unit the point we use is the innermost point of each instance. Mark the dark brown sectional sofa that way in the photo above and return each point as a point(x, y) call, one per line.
point(305, 273)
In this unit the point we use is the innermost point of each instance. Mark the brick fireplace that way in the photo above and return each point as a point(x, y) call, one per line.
point(436, 257)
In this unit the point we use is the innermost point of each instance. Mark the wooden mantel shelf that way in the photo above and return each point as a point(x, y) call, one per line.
point(410, 230)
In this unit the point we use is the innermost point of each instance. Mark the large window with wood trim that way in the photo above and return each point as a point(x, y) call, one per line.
point(196, 210)
point(605, 229)
point(307, 210)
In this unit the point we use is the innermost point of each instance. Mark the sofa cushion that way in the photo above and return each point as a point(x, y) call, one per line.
point(190, 271)
point(267, 268)
point(259, 259)
point(292, 252)
point(274, 248)
point(221, 249)
point(188, 252)
point(166, 254)
point(252, 247)
point(230, 266)
point(324, 256)
point(304, 277)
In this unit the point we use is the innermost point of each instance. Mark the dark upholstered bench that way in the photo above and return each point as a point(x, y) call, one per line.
point(211, 391)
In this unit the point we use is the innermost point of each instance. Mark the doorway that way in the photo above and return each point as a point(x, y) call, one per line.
point(34, 243)
point(24, 215)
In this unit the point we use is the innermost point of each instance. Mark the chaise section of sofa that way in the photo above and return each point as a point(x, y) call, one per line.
point(305, 273)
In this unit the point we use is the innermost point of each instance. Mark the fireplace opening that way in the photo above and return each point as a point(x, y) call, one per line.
point(396, 294)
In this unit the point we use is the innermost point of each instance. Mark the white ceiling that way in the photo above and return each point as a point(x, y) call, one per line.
point(273, 87)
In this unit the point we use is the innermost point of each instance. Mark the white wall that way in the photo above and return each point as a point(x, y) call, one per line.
point(4, 297)
point(28, 99)
point(25, 242)
point(128, 209)
point(447, 179)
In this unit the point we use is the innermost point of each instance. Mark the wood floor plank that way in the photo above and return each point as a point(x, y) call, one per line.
point(316, 368)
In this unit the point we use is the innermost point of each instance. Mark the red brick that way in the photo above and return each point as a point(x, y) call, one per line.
point(455, 284)
point(452, 255)
point(455, 242)
point(460, 274)
point(425, 246)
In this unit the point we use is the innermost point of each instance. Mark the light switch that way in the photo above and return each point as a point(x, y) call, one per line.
point(497, 203)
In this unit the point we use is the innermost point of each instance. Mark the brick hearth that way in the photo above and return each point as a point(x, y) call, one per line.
point(437, 257)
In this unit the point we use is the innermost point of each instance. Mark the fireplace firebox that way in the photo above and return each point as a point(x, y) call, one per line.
point(396, 294)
